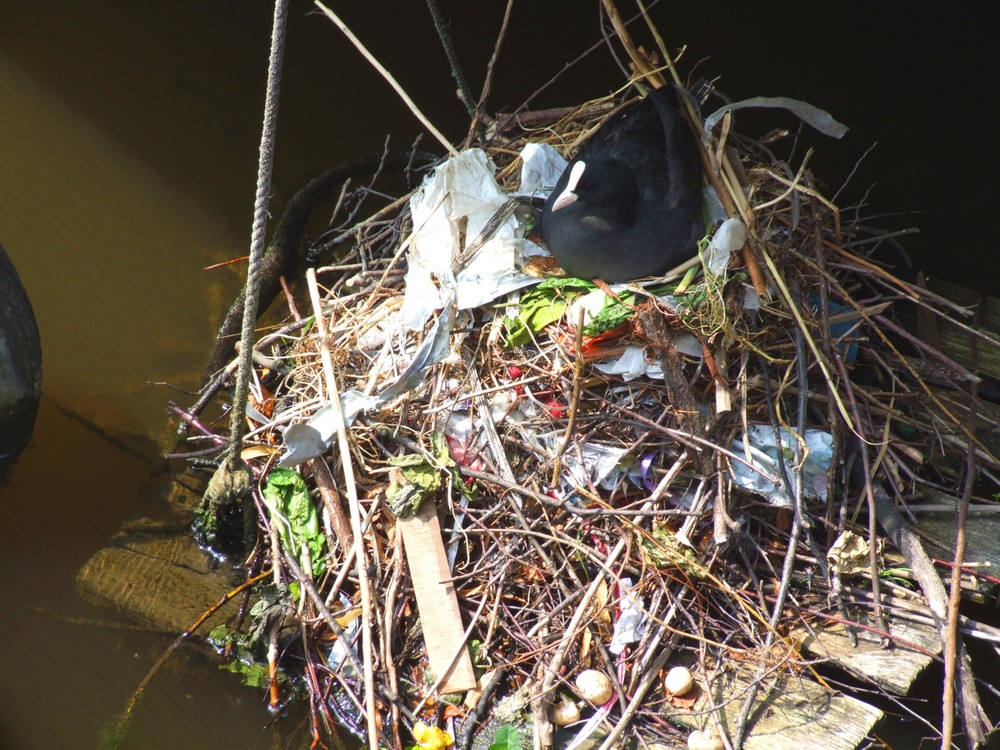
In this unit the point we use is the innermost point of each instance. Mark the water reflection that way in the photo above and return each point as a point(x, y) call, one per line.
point(110, 254)
point(111, 251)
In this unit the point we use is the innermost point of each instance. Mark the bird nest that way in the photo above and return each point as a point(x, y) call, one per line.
point(621, 520)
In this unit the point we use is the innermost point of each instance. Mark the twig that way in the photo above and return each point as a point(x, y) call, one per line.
point(798, 522)
point(480, 109)
point(464, 92)
point(310, 589)
point(274, 694)
point(165, 656)
point(924, 573)
point(820, 359)
point(574, 403)
point(975, 733)
point(640, 63)
point(331, 501)
point(649, 673)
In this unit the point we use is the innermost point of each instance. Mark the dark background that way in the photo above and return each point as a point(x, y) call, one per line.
point(918, 79)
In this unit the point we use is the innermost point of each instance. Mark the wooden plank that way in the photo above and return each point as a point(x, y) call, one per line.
point(982, 552)
point(954, 341)
point(982, 530)
point(440, 617)
point(894, 669)
point(790, 712)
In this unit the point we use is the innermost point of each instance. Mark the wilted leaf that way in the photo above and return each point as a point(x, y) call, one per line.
point(663, 549)
point(269, 610)
point(418, 476)
point(542, 306)
point(612, 314)
point(258, 451)
point(252, 673)
point(287, 498)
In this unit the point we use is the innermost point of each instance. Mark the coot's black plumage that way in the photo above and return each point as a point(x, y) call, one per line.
point(629, 204)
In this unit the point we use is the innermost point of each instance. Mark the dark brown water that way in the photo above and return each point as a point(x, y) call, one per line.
point(128, 137)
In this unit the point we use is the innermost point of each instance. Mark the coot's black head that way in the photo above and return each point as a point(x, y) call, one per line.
point(603, 188)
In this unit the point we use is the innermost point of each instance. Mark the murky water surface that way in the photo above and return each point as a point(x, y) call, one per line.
point(128, 136)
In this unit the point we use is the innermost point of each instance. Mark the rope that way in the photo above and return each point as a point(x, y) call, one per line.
point(237, 423)
point(231, 480)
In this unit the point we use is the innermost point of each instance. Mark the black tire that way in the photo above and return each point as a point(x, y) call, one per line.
point(20, 362)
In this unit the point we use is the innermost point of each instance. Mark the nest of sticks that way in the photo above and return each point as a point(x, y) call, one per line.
point(547, 553)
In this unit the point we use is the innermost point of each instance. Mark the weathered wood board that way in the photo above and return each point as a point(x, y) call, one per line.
point(954, 341)
point(790, 712)
point(982, 545)
point(894, 669)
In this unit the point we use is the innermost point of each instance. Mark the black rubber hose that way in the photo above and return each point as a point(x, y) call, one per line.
point(20, 362)
point(283, 251)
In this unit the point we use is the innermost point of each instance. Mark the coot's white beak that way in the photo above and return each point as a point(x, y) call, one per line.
point(568, 195)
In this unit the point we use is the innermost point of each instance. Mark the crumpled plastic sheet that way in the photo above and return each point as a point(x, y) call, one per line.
point(762, 476)
point(632, 620)
point(541, 168)
point(449, 211)
point(345, 709)
point(632, 362)
point(810, 114)
point(596, 462)
point(728, 239)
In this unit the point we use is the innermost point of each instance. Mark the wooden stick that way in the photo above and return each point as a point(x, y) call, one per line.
point(820, 359)
point(133, 701)
point(641, 64)
point(924, 573)
point(331, 500)
point(479, 113)
point(971, 721)
point(361, 557)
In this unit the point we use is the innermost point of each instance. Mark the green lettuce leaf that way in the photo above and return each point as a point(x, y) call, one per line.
point(287, 498)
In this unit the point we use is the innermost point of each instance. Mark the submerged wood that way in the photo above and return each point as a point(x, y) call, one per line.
point(156, 576)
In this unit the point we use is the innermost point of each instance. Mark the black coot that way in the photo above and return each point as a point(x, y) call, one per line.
point(629, 204)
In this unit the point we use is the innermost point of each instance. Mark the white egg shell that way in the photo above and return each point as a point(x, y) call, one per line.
point(704, 740)
point(593, 686)
point(678, 681)
point(565, 712)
